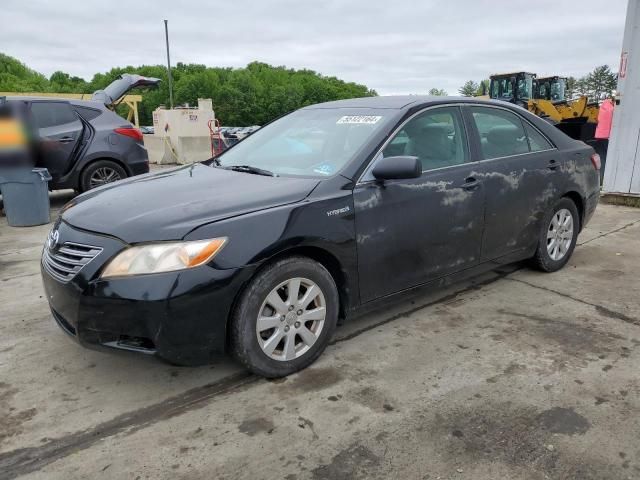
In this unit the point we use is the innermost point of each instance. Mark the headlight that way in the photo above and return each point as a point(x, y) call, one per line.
point(163, 257)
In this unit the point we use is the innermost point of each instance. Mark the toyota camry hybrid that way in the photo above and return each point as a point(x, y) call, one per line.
point(260, 251)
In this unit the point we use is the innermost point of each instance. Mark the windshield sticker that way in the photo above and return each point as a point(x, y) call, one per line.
point(324, 169)
point(359, 119)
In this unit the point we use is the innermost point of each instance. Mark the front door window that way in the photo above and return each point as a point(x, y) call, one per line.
point(436, 137)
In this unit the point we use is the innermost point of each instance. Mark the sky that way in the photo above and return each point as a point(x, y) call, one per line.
point(394, 47)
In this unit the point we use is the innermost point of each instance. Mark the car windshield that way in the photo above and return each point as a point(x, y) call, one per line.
point(309, 142)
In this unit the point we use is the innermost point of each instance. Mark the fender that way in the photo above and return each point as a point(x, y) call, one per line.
point(327, 225)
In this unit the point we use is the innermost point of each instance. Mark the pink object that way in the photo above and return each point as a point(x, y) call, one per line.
point(605, 116)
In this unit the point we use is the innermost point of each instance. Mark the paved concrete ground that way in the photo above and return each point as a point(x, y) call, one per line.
point(514, 375)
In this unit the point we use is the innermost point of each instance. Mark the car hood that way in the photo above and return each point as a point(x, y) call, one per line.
point(169, 204)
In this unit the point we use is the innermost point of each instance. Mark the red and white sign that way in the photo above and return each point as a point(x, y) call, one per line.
point(622, 71)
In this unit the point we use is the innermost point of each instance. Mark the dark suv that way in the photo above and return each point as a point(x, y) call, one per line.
point(83, 143)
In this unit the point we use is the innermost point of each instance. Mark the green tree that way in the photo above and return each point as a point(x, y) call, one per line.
point(17, 77)
point(253, 95)
point(438, 92)
point(581, 86)
point(483, 87)
point(469, 89)
point(571, 89)
point(600, 82)
point(64, 83)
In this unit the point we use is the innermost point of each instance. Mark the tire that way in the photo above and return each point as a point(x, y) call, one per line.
point(264, 349)
point(108, 169)
point(550, 257)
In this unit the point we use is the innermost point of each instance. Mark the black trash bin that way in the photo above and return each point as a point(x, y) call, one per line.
point(25, 194)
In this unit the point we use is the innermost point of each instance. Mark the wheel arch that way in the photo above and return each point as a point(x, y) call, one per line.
point(318, 254)
point(577, 199)
point(328, 261)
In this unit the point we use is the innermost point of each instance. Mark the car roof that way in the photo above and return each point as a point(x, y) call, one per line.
point(29, 98)
point(72, 101)
point(395, 102)
point(400, 102)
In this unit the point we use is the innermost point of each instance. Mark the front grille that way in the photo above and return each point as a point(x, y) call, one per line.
point(65, 262)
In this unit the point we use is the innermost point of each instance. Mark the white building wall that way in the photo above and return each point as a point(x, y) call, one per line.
point(622, 171)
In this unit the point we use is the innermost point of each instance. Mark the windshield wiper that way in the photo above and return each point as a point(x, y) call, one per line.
point(211, 161)
point(250, 169)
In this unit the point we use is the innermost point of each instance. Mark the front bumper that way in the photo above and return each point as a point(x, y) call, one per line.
point(179, 316)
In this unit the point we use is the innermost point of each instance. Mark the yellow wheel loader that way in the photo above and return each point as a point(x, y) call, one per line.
point(545, 97)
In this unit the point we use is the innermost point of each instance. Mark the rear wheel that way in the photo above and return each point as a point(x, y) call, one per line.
point(100, 173)
point(558, 236)
point(285, 318)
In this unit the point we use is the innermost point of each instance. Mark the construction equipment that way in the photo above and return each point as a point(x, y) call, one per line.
point(515, 87)
point(551, 88)
point(545, 97)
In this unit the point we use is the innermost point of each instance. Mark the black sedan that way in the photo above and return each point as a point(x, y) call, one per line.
point(258, 252)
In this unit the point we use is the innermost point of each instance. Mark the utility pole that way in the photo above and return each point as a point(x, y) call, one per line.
point(166, 36)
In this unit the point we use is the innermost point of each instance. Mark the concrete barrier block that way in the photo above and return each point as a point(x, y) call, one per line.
point(155, 148)
point(193, 149)
point(160, 150)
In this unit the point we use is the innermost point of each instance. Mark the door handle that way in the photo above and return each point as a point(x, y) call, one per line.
point(470, 183)
point(66, 140)
point(553, 165)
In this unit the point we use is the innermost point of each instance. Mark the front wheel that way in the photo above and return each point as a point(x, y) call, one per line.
point(285, 318)
point(558, 236)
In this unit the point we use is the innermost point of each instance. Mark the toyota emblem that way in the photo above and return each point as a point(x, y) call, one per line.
point(52, 240)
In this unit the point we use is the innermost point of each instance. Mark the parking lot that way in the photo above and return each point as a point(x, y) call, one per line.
point(513, 375)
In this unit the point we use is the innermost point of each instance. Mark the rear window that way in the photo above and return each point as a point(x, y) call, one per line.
point(86, 112)
point(537, 141)
point(501, 132)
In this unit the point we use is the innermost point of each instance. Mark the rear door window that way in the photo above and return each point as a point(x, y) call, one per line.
point(501, 132)
point(52, 114)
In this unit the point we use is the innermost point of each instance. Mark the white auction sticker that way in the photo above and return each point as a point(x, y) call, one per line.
point(362, 119)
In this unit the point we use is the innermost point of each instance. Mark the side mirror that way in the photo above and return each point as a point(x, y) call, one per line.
point(396, 168)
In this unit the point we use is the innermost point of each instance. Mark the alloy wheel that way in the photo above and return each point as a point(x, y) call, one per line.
point(102, 176)
point(560, 234)
point(291, 319)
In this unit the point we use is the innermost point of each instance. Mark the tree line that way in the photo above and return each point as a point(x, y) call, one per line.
point(253, 95)
point(597, 85)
